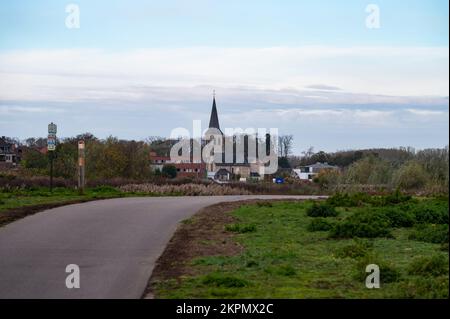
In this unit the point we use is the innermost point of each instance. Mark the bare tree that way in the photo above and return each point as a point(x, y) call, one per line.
point(285, 145)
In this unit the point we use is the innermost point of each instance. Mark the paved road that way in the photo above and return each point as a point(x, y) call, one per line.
point(115, 243)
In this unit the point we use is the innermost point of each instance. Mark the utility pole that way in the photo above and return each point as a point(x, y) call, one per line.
point(81, 166)
point(51, 147)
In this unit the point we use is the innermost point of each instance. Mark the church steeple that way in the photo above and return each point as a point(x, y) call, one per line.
point(214, 119)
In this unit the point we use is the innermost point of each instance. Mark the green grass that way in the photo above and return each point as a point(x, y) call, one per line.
point(283, 259)
point(11, 199)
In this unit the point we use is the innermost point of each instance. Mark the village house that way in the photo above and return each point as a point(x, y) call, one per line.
point(10, 153)
point(308, 172)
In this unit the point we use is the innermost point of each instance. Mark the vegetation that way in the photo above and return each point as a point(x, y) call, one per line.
point(321, 210)
point(378, 170)
point(289, 254)
point(169, 171)
point(21, 197)
point(320, 224)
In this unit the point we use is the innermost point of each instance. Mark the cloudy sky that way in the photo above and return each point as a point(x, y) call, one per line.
point(309, 68)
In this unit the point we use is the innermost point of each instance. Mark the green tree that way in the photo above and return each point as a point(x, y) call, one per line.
point(369, 170)
point(169, 171)
point(410, 175)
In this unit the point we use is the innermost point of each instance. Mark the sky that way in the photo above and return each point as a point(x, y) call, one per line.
point(326, 71)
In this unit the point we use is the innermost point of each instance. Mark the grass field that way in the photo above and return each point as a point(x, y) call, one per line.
point(288, 254)
point(18, 203)
point(42, 195)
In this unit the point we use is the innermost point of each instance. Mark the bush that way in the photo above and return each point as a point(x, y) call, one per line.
point(169, 171)
point(348, 200)
point(319, 224)
point(359, 248)
point(388, 273)
point(395, 198)
point(363, 224)
point(398, 217)
point(432, 212)
point(321, 210)
point(436, 265)
point(360, 199)
point(241, 228)
point(436, 234)
point(423, 288)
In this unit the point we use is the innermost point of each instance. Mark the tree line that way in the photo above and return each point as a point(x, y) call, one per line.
point(116, 158)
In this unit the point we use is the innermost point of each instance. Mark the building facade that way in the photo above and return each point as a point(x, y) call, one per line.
point(310, 171)
point(10, 153)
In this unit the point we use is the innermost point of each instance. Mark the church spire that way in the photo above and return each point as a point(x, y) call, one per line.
point(214, 119)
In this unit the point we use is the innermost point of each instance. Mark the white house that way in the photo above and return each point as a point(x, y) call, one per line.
point(308, 172)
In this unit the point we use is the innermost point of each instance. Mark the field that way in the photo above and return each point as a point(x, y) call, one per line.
point(310, 250)
point(20, 202)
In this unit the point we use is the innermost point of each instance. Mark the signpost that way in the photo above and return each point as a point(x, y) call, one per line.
point(81, 165)
point(51, 147)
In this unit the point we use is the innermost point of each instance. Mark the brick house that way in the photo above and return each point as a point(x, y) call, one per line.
point(10, 153)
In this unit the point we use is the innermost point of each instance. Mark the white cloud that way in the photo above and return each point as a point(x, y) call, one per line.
point(90, 74)
point(426, 112)
point(16, 109)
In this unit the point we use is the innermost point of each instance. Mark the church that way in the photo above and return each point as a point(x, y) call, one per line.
point(217, 156)
point(230, 164)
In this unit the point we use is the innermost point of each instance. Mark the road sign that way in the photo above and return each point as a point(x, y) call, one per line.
point(51, 143)
point(52, 128)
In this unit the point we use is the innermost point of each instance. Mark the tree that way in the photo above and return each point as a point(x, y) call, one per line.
point(34, 159)
point(327, 178)
point(283, 162)
point(169, 171)
point(410, 176)
point(369, 170)
point(285, 145)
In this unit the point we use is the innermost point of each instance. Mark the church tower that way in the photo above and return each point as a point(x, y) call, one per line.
point(214, 118)
point(215, 134)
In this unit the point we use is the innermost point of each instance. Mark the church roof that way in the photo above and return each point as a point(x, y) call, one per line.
point(214, 119)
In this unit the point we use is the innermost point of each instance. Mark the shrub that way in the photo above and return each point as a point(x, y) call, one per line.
point(319, 224)
point(169, 171)
point(321, 210)
point(358, 249)
point(220, 280)
point(360, 199)
point(436, 265)
point(363, 224)
point(240, 228)
point(398, 217)
point(423, 288)
point(348, 200)
point(436, 234)
point(432, 212)
point(388, 273)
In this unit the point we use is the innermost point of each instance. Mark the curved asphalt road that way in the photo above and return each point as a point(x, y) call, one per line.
point(115, 243)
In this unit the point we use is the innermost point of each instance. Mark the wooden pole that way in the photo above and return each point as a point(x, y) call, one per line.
point(51, 171)
point(81, 166)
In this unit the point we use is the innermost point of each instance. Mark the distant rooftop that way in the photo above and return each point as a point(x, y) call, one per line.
point(320, 165)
